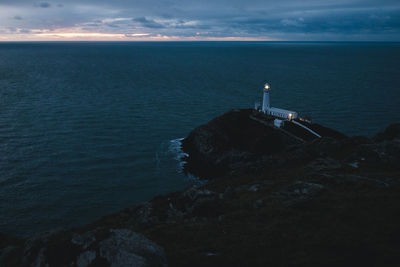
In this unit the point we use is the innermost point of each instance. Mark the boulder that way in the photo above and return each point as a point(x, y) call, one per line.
point(126, 248)
point(98, 247)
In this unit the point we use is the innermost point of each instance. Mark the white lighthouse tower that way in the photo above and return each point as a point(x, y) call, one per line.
point(266, 103)
point(275, 112)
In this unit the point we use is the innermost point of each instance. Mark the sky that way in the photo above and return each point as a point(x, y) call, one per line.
point(200, 20)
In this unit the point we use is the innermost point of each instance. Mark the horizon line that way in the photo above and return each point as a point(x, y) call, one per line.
point(192, 41)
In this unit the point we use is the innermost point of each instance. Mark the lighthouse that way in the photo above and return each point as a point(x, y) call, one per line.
point(275, 112)
point(266, 103)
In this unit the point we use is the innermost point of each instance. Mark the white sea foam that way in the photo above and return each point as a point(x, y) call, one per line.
point(175, 147)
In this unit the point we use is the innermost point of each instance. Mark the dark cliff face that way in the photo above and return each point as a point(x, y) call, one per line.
point(233, 139)
point(279, 198)
point(241, 139)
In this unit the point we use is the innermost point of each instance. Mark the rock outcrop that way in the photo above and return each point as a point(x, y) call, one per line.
point(96, 247)
point(275, 197)
point(241, 139)
point(231, 141)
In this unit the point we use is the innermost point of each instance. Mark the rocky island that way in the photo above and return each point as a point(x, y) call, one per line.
point(274, 197)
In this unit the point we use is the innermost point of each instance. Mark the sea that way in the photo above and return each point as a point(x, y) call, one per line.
point(90, 128)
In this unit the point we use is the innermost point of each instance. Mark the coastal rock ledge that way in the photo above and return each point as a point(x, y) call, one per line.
point(244, 139)
point(274, 197)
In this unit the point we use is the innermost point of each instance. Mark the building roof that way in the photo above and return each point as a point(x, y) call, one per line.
point(282, 110)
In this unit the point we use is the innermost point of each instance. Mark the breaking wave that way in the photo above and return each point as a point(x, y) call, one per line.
point(175, 147)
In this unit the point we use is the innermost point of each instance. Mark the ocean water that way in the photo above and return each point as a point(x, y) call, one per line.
point(87, 129)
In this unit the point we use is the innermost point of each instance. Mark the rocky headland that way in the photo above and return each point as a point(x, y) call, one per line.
point(274, 197)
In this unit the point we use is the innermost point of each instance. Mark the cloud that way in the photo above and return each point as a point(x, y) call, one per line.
point(251, 19)
point(43, 5)
point(24, 31)
point(136, 35)
point(17, 17)
point(148, 23)
point(292, 22)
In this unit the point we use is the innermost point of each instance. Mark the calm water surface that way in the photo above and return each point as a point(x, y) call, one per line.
point(86, 128)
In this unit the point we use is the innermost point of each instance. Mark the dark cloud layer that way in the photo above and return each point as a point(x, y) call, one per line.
point(43, 5)
point(284, 19)
point(149, 23)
